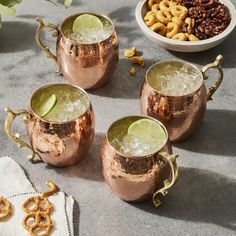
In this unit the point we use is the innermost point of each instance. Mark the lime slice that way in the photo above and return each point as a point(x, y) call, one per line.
point(148, 130)
point(86, 22)
point(47, 105)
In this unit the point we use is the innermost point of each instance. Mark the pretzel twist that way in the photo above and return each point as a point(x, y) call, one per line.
point(5, 209)
point(37, 203)
point(180, 36)
point(166, 5)
point(152, 2)
point(38, 209)
point(179, 11)
point(150, 18)
point(159, 28)
point(41, 222)
point(177, 20)
point(172, 29)
point(164, 17)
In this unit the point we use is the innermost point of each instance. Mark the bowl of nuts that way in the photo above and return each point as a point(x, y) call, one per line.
point(184, 25)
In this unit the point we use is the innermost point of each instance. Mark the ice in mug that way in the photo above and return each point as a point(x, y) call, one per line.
point(141, 144)
point(177, 79)
point(71, 103)
point(91, 35)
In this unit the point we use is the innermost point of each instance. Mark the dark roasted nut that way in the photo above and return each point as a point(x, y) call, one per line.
point(209, 17)
point(186, 3)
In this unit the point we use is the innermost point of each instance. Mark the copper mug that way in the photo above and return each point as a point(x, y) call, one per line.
point(181, 115)
point(59, 144)
point(135, 179)
point(89, 66)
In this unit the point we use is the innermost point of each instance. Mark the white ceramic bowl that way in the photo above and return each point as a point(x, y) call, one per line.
point(184, 46)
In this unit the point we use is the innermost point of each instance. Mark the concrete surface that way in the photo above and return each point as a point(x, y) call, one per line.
point(203, 202)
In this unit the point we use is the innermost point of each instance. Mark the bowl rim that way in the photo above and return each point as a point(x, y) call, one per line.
point(164, 39)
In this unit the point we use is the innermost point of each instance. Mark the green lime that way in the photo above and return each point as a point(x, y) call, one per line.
point(47, 105)
point(148, 130)
point(86, 22)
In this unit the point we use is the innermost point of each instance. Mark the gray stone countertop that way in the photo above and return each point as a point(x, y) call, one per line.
point(203, 202)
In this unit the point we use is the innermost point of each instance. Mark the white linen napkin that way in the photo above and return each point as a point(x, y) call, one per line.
point(16, 187)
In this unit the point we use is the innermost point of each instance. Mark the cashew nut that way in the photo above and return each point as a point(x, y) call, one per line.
point(137, 60)
point(130, 52)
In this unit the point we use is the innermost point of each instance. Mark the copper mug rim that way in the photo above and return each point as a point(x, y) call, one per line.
point(172, 61)
point(58, 122)
point(86, 12)
point(143, 156)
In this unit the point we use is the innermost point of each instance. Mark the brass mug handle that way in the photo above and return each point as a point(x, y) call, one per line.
point(16, 137)
point(215, 64)
point(171, 160)
point(41, 26)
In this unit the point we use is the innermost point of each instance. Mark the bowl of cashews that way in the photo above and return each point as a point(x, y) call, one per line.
point(186, 26)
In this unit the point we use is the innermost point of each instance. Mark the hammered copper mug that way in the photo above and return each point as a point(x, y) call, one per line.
point(138, 178)
point(59, 144)
point(89, 66)
point(181, 115)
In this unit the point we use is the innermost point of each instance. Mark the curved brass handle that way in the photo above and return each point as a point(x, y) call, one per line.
point(16, 137)
point(215, 64)
point(51, 191)
point(38, 40)
point(171, 160)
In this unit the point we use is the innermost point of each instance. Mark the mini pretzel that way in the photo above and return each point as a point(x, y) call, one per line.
point(164, 17)
point(150, 18)
point(172, 29)
point(179, 11)
point(40, 203)
point(41, 221)
point(40, 212)
point(166, 5)
point(155, 8)
point(152, 2)
point(180, 36)
point(177, 20)
point(149, 13)
point(5, 209)
point(159, 28)
point(192, 37)
point(51, 191)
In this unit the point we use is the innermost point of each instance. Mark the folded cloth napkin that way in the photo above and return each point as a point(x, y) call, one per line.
point(16, 187)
